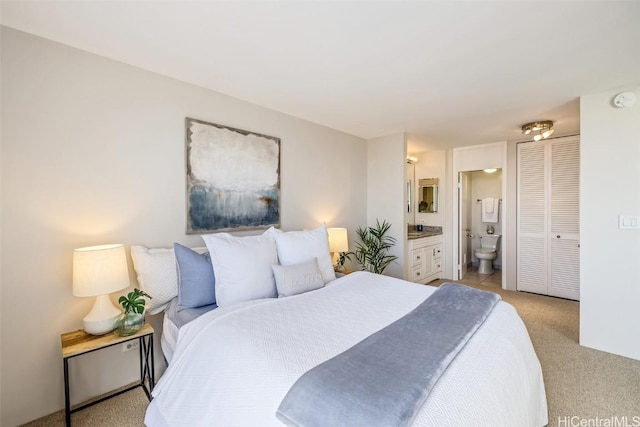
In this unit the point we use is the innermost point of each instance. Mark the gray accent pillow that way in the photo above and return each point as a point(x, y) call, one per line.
point(196, 279)
point(297, 278)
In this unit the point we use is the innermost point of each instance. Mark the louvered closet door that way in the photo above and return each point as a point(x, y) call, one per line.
point(564, 234)
point(532, 232)
point(549, 217)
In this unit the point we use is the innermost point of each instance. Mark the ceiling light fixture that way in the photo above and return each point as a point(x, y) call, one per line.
point(540, 130)
point(490, 170)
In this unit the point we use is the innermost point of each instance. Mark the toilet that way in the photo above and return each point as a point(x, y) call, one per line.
point(487, 252)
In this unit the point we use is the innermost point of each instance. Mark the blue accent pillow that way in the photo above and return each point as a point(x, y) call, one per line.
point(196, 280)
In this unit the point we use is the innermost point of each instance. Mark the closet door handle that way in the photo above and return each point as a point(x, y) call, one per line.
point(558, 236)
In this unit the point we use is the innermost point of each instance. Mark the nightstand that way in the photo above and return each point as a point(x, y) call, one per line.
point(79, 342)
point(343, 273)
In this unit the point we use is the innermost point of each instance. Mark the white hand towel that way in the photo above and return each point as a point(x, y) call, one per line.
point(490, 210)
point(487, 204)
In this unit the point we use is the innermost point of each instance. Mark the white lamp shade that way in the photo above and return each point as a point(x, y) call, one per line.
point(99, 270)
point(338, 240)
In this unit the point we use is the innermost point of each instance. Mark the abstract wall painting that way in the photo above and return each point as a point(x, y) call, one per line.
point(233, 179)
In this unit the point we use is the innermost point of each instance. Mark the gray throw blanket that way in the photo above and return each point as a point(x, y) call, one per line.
point(384, 379)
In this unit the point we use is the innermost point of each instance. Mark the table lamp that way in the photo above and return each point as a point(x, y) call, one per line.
point(99, 271)
point(338, 242)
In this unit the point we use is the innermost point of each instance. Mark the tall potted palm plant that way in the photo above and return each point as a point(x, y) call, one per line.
point(372, 250)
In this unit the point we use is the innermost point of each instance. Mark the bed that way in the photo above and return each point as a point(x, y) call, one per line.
point(173, 320)
point(234, 365)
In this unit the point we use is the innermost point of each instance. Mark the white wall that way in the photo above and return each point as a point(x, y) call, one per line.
point(436, 164)
point(410, 176)
point(609, 256)
point(510, 238)
point(93, 152)
point(386, 193)
point(433, 164)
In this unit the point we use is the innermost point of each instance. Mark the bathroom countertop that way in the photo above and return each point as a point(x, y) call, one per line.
point(420, 234)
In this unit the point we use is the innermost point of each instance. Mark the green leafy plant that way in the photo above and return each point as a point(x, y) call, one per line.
point(134, 301)
point(371, 253)
point(343, 257)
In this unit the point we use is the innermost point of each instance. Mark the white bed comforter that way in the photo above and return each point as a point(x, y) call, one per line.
point(234, 365)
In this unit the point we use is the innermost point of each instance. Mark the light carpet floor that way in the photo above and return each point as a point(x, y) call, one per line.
point(582, 384)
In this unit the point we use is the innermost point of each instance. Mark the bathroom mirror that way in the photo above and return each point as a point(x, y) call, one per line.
point(428, 195)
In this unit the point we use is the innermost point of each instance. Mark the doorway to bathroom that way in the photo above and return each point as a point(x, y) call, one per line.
point(480, 220)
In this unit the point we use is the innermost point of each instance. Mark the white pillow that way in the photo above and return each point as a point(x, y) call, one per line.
point(295, 247)
point(297, 278)
point(242, 266)
point(156, 270)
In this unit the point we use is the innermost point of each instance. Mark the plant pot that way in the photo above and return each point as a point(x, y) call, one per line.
point(128, 324)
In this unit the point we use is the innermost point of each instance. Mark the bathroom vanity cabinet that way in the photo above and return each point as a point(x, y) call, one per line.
point(425, 255)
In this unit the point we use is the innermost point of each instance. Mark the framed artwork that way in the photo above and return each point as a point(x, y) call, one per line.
point(233, 178)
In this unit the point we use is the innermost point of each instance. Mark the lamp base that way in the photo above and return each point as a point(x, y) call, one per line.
point(102, 317)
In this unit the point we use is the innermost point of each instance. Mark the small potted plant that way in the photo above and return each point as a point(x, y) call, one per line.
point(132, 318)
point(342, 258)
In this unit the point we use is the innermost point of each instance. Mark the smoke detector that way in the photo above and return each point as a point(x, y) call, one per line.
point(625, 99)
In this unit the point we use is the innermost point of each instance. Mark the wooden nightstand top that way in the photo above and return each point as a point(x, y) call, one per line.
point(79, 342)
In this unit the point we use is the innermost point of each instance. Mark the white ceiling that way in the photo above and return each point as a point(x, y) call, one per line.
point(447, 73)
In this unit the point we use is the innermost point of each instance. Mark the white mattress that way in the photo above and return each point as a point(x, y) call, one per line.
point(171, 325)
point(233, 366)
point(169, 338)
